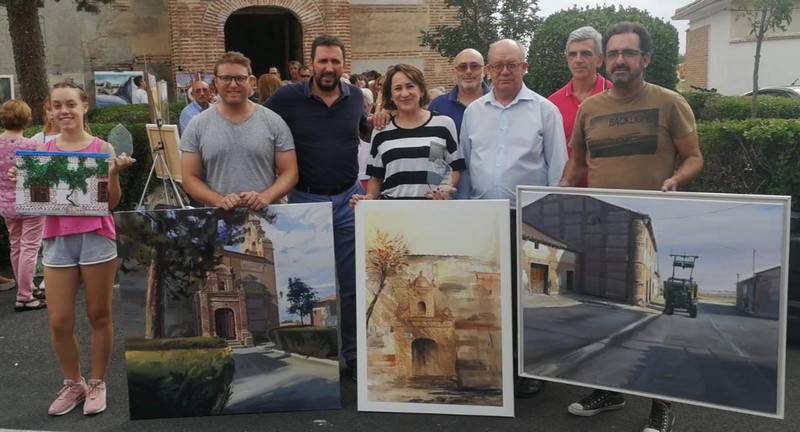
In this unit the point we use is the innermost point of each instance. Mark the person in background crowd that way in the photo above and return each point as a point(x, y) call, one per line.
point(139, 93)
point(267, 85)
point(305, 73)
point(201, 96)
point(632, 155)
point(273, 70)
point(468, 70)
point(359, 80)
point(24, 232)
point(50, 130)
point(584, 55)
point(294, 72)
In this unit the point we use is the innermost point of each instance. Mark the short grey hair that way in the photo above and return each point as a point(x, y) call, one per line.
point(586, 33)
point(519, 47)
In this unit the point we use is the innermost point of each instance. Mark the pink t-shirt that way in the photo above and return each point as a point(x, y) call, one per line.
point(8, 189)
point(56, 226)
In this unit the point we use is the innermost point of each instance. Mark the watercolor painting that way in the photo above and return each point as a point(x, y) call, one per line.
point(116, 88)
point(6, 88)
point(679, 296)
point(229, 312)
point(62, 183)
point(433, 307)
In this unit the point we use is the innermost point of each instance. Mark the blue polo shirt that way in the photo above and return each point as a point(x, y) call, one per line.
point(449, 105)
point(326, 138)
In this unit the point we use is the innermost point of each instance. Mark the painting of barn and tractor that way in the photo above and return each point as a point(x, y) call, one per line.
point(222, 316)
point(431, 309)
point(675, 296)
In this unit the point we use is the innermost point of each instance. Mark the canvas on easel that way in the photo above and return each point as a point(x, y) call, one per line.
point(168, 136)
point(62, 183)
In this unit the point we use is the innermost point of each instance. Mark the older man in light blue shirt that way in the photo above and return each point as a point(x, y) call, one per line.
point(511, 136)
point(201, 93)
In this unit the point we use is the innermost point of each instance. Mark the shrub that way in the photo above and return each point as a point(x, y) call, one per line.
point(309, 341)
point(179, 382)
point(198, 342)
point(712, 106)
point(548, 67)
point(754, 156)
point(130, 114)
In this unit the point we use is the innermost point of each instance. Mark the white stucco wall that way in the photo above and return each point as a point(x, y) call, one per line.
point(730, 61)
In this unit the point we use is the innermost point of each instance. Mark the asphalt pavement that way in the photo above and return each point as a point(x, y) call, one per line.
point(29, 380)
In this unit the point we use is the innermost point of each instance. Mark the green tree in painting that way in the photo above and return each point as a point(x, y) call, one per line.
point(301, 298)
point(179, 248)
point(385, 260)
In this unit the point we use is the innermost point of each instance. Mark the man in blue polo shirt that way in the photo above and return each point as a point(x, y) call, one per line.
point(468, 68)
point(326, 117)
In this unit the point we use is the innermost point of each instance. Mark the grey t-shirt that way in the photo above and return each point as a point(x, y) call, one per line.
point(237, 157)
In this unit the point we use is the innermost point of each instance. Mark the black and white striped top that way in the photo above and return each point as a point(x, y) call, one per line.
point(405, 158)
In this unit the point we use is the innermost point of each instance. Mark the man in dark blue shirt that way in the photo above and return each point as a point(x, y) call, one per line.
point(468, 69)
point(326, 117)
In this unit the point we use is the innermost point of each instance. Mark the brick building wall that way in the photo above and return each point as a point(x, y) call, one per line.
point(696, 68)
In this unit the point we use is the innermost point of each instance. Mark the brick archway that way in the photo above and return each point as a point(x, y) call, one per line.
point(213, 28)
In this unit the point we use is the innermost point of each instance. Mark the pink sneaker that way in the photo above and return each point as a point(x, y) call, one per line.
point(70, 396)
point(95, 397)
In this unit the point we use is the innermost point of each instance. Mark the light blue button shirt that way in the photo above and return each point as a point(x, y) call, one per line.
point(187, 114)
point(505, 146)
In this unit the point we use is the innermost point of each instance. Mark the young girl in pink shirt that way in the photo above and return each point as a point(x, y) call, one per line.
point(80, 249)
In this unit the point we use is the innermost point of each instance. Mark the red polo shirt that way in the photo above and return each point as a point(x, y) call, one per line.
point(568, 104)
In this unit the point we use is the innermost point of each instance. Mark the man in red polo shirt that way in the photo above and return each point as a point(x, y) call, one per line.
point(584, 55)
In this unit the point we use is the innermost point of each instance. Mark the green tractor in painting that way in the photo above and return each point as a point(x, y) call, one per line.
point(681, 293)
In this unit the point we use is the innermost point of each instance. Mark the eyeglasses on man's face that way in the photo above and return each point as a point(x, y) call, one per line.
point(227, 79)
point(498, 67)
point(474, 67)
point(627, 54)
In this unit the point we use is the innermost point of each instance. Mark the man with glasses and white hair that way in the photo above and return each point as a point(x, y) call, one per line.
point(631, 137)
point(511, 136)
point(468, 70)
point(584, 55)
point(237, 153)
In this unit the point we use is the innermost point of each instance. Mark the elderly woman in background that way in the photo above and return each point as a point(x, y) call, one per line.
point(405, 153)
point(267, 85)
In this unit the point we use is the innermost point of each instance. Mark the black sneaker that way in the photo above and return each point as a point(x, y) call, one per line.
point(352, 369)
point(527, 387)
point(661, 417)
point(597, 402)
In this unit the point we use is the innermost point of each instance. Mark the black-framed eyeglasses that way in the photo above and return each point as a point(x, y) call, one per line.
point(627, 54)
point(474, 67)
point(227, 79)
point(498, 67)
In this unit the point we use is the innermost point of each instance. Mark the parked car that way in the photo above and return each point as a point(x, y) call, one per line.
point(790, 91)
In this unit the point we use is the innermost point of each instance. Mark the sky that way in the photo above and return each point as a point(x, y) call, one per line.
point(723, 233)
point(302, 237)
point(663, 9)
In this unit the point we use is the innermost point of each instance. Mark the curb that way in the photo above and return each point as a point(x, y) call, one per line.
point(569, 361)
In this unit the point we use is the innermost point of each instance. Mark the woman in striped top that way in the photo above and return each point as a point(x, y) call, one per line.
point(404, 155)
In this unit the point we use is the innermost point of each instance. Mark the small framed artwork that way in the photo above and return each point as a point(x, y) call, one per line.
point(6, 88)
point(167, 138)
point(62, 183)
point(676, 296)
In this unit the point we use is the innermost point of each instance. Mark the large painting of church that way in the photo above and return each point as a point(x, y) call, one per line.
point(433, 296)
point(213, 299)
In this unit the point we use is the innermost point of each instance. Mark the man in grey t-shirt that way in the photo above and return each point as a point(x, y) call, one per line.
point(237, 153)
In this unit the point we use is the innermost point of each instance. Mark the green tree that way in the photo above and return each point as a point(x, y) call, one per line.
point(301, 298)
point(27, 44)
point(481, 22)
point(764, 16)
point(548, 69)
point(385, 260)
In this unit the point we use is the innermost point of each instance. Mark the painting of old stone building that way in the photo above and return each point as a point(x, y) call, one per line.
point(432, 333)
point(609, 250)
point(207, 307)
